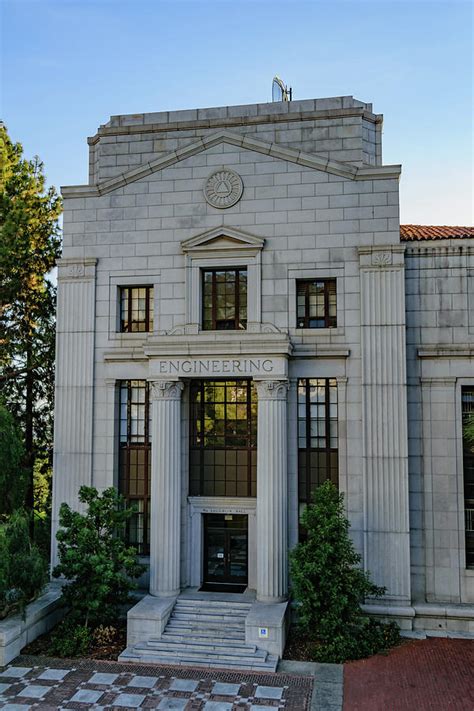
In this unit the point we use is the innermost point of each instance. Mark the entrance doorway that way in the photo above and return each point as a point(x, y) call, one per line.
point(225, 563)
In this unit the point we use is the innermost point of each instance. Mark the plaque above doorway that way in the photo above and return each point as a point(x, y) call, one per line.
point(223, 188)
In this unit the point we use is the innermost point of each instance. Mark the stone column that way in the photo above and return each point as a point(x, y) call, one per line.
point(165, 523)
point(272, 491)
point(384, 420)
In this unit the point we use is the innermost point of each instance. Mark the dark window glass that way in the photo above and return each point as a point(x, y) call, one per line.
point(316, 303)
point(135, 459)
point(136, 309)
point(224, 296)
point(223, 438)
point(317, 435)
point(468, 466)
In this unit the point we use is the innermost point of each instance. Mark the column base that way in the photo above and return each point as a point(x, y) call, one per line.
point(165, 593)
point(270, 600)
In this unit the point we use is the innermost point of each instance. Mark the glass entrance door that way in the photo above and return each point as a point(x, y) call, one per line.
point(225, 552)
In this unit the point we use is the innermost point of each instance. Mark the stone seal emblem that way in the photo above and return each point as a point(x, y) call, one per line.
point(223, 188)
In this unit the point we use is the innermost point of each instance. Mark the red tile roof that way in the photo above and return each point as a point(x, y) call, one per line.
point(410, 233)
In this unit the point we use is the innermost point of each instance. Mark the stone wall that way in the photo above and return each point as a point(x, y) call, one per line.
point(440, 351)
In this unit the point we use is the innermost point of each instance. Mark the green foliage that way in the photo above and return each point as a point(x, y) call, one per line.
point(95, 561)
point(23, 570)
point(330, 586)
point(29, 247)
point(468, 431)
point(70, 639)
point(12, 475)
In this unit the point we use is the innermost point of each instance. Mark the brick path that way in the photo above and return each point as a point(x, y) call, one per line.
point(52, 684)
point(422, 675)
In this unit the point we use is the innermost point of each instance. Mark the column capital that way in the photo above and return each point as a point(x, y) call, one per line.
point(272, 389)
point(166, 389)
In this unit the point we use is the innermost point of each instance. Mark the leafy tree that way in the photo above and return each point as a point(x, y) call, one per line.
point(29, 247)
point(95, 561)
point(23, 570)
point(330, 586)
point(469, 430)
point(12, 474)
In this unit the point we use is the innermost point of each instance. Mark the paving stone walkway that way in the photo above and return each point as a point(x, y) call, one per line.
point(40, 683)
point(422, 675)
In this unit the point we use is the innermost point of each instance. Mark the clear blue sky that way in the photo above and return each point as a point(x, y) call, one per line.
point(68, 65)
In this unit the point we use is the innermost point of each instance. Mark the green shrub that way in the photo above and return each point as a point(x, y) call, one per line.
point(330, 586)
point(23, 570)
point(99, 568)
point(70, 640)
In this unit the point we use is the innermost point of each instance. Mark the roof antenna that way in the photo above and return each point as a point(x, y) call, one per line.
point(280, 92)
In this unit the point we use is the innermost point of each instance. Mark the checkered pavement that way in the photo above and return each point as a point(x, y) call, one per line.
point(107, 685)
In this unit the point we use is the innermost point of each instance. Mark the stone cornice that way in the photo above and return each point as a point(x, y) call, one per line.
point(203, 344)
point(441, 247)
point(320, 350)
point(462, 350)
point(232, 121)
point(308, 160)
point(236, 240)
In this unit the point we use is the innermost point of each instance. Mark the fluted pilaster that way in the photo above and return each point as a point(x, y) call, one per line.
point(74, 387)
point(165, 488)
point(272, 492)
point(384, 408)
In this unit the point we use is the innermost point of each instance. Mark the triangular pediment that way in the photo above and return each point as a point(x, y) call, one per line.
point(308, 160)
point(222, 239)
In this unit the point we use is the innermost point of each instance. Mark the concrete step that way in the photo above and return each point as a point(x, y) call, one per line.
point(206, 617)
point(178, 635)
point(197, 644)
point(211, 612)
point(217, 605)
point(213, 629)
point(204, 633)
point(181, 651)
point(247, 664)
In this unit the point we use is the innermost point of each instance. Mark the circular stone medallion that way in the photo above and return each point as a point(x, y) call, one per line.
point(223, 188)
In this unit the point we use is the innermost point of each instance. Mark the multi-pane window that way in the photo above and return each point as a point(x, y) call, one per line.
point(136, 309)
point(223, 438)
point(135, 459)
point(224, 293)
point(317, 435)
point(468, 466)
point(316, 303)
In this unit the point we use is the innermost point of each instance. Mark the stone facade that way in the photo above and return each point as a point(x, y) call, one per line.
point(317, 203)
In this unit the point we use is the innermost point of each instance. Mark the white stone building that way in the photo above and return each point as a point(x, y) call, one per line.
point(240, 318)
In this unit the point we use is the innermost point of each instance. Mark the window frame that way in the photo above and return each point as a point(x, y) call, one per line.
point(197, 412)
point(329, 321)
point(467, 461)
point(237, 296)
point(308, 449)
point(127, 290)
point(143, 548)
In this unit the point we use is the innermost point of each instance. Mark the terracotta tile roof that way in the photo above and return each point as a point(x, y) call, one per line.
point(410, 233)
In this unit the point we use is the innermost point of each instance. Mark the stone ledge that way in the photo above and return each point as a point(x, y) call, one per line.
point(40, 616)
point(275, 618)
point(427, 617)
point(148, 618)
point(447, 351)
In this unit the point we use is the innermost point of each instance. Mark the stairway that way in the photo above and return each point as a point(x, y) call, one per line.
point(204, 633)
